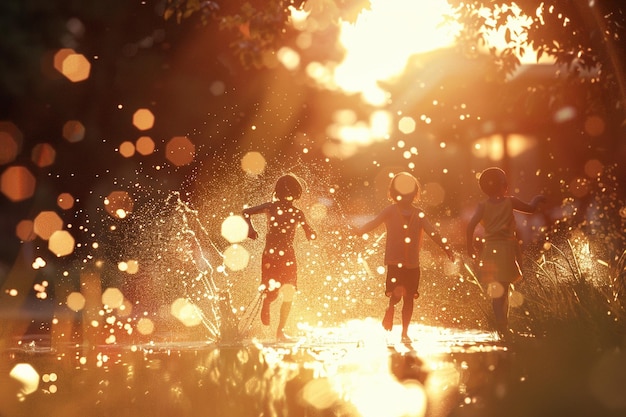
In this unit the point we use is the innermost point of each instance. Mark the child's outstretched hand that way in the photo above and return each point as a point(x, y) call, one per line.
point(471, 250)
point(252, 233)
point(538, 200)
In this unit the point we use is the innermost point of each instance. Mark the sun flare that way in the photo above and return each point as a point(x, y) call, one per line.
point(379, 44)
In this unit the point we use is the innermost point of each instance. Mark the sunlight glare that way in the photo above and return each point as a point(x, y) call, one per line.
point(383, 38)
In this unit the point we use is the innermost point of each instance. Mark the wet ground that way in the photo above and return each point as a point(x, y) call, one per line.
point(353, 370)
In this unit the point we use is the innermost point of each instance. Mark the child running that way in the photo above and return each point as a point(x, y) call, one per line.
point(405, 224)
point(279, 269)
point(499, 259)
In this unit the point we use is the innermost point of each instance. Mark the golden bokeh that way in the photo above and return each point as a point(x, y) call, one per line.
point(8, 148)
point(133, 267)
point(65, 201)
point(75, 67)
point(234, 229)
point(119, 204)
point(59, 58)
point(61, 243)
point(145, 326)
point(73, 131)
point(130, 267)
point(26, 377)
point(25, 231)
point(112, 298)
point(145, 145)
point(17, 183)
point(46, 223)
point(180, 151)
point(405, 184)
point(10, 142)
point(186, 312)
point(253, 163)
point(127, 149)
point(143, 119)
point(236, 257)
point(43, 155)
point(406, 125)
point(75, 301)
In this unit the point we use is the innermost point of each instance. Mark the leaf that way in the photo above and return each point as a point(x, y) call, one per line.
point(507, 35)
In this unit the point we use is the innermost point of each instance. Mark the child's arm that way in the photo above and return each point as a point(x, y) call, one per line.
point(519, 205)
point(438, 239)
point(252, 233)
point(471, 226)
point(308, 230)
point(371, 225)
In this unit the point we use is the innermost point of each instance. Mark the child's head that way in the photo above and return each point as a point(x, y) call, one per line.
point(404, 187)
point(492, 181)
point(288, 187)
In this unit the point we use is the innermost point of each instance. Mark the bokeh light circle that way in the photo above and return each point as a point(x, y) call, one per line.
point(46, 223)
point(43, 155)
point(11, 139)
point(119, 204)
point(144, 145)
point(186, 312)
point(253, 163)
point(65, 201)
point(25, 230)
point(26, 376)
point(180, 151)
point(73, 131)
point(236, 257)
point(143, 119)
point(75, 301)
point(112, 297)
point(234, 229)
point(17, 183)
point(61, 243)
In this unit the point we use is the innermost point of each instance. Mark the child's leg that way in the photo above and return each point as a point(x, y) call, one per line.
point(394, 298)
point(285, 308)
point(265, 308)
point(288, 292)
point(501, 308)
point(269, 298)
point(407, 313)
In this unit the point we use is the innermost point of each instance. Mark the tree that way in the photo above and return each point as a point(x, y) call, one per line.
point(585, 38)
point(588, 39)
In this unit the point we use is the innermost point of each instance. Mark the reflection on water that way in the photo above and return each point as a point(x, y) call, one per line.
point(350, 370)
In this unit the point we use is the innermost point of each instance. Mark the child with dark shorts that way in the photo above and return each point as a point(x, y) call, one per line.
point(405, 225)
point(279, 271)
point(499, 260)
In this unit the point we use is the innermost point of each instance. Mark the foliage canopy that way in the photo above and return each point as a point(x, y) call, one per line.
point(586, 38)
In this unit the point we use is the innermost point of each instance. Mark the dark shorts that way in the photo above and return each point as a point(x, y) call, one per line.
point(408, 278)
point(280, 268)
point(499, 262)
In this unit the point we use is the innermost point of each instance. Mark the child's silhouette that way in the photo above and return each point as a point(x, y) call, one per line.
point(279, 269)
point(500, 256)
point(405, 224)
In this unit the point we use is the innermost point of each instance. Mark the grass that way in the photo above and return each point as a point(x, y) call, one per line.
point(569, 294)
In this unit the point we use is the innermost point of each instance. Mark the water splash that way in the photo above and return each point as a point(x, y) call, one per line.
point(182, 263)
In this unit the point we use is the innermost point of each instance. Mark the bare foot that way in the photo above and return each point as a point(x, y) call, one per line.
point(281, 336)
